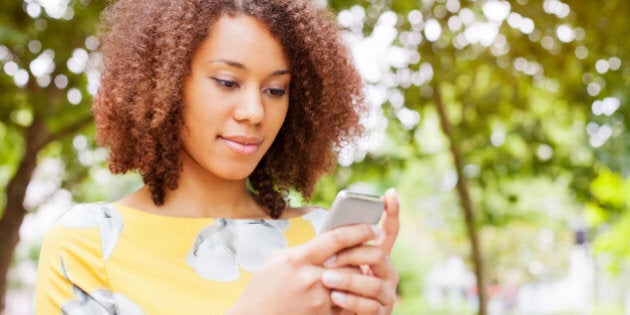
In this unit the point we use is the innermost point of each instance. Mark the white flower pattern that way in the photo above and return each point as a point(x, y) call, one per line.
point(99, 302)
point(220, 249)
point(103, 216)
point(316, 216)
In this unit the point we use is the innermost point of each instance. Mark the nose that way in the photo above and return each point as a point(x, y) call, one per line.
point(250, 109)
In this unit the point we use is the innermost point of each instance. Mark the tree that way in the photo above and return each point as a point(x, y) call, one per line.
point(45, 99)
point(517, 87)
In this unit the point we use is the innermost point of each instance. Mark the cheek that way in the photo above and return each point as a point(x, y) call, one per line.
point(278, 119)
point(196, 121)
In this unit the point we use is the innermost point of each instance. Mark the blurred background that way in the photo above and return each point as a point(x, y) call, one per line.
point(502, 124)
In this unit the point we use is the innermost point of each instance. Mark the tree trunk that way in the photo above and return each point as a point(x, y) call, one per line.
point(14, 212)
point(466, 204)
point(37, 137)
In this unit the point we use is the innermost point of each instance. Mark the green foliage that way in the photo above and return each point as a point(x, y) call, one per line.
point(611, 190)
point(609, 211)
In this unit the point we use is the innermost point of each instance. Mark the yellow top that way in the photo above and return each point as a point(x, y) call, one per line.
point(111, 259)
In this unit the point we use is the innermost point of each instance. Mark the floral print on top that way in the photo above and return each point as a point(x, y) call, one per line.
point(103, 216)
point(110, 259)
point(99, 302)
point(221, 248)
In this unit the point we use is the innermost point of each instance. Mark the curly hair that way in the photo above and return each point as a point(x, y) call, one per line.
point(146, 48)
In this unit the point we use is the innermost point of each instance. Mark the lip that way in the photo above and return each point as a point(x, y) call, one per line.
point(242, 144)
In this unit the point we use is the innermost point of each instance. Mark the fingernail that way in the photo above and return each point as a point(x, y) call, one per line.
point(331, 278)
point(377, 231)
point(330, 261)
point(338, 297)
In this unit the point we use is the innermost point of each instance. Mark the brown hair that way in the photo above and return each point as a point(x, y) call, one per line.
point(146, 48)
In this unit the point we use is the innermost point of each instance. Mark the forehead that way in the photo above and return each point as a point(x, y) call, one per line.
point(244, 39)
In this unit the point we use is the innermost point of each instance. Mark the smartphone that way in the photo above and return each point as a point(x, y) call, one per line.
point(352, 208)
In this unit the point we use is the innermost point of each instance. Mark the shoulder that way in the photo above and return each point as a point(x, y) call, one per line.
point(87, 215)
point(91, 227)
point(72, 260)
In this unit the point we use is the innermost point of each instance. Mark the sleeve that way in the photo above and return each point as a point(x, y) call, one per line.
point(71, 276)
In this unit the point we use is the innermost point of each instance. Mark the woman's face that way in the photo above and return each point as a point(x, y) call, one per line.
point(235, 98)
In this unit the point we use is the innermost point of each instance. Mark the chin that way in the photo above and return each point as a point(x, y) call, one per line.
point(237, 173)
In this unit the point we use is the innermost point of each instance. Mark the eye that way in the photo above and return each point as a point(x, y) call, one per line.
point(276, 92)
point(225, 83)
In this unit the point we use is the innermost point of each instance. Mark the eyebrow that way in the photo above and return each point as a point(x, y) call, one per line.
point(239, 65)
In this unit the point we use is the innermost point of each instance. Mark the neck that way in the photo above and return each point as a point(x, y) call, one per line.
point(227, 199)
point(201, 195)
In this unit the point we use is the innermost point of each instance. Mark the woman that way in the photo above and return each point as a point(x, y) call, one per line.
point(223, 107)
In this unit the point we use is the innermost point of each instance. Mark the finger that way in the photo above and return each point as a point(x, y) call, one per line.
point(390, 220)
point(357, 304)
point(354, 270)
point(365, 254)
point(360, 285)
point(373, 256)
point(326, 245)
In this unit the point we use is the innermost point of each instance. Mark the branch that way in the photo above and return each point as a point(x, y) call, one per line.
point(71, 129)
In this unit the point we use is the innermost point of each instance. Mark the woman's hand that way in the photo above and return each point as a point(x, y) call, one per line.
point(322, 276)
point(289, 281)
point(374, 290)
